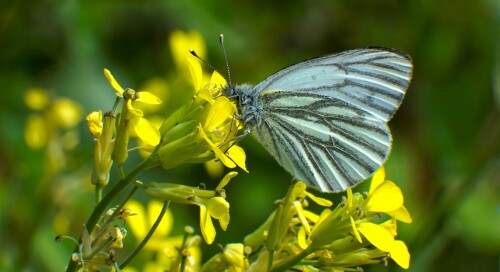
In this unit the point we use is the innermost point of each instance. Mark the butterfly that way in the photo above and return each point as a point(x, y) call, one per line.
point(325, 120)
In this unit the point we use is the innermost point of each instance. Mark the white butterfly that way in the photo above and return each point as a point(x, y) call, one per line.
point(325, 120)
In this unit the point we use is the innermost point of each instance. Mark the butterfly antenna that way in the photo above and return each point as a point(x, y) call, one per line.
point(221, 39)
point(192, 52)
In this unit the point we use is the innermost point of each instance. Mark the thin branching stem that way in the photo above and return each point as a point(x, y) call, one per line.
point(100, 208)
point(148, 236)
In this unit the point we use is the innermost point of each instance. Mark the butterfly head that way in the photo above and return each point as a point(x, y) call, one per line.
point(245, 101)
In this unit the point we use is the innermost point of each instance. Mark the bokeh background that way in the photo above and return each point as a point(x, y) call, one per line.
point(446, 151)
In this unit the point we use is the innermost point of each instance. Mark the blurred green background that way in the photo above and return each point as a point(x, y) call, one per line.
point(446, 151)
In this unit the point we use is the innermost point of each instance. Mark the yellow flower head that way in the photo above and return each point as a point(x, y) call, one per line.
point(212, 203)
point(132, 122)
point(220, 126)
point(94, 121)
point(204, 129)
point(346, 236)
point(386, 197)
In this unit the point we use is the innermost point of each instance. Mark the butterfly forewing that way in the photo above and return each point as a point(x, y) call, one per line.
point(376, 78)
point(324, 120)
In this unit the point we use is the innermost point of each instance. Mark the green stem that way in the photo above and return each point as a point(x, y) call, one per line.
point(100, 208)
point(182, 250)
point(122, 172)
point(98, 193)
point(115, 105)
point(115, 212)
point(148, 236)
point(183, 262)
point(293, 261)
point(271, 260)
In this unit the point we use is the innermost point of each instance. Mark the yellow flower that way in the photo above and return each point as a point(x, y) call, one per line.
point(235, 256)
point(66, 113)
point(145, 97)
point(118, 234)
point(399, 253)
point(386, 197)
point(36, 98)
point(141, 126)
point(216, 207)
point(231, 259)
point(104, 145)
point(212, 203)
point(326, 240)
point(220, 126)
point(94, 121)
point(204, 129)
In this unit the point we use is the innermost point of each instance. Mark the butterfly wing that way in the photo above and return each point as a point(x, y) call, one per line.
point(325, 120)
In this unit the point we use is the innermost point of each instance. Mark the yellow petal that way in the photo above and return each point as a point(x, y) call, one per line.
point(221, 111)
point(378, 236)
point(402, 215)
point(377, 179)
point(196, 72)
point(226, 180)
point(391, 226)
point(301, 238)
point(206, 225)
point(235, 255)
point(218, 153)
point(318, 200)
point(148, 98)
point(133, 112)
point(218, 207)
point(224, 221)
point(311, 216)
point(349, 197)
point(204, 94)
point(302, 218)
point(386, 197)
point(324, 214)
point(94, 121)
point(399, 253)
point(147, 132)
point(355, 230)
point(113, 82)
point(237, 154)
point(218, 79)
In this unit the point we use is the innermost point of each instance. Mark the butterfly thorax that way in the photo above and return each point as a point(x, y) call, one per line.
point(245, 100)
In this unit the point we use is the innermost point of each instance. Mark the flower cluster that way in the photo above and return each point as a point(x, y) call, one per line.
point(51, 126)
point(97, 248)
point(341, 238)
point(203, 129)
